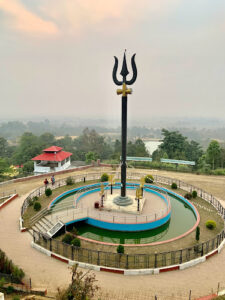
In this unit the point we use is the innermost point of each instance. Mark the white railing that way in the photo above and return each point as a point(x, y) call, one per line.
point(71, 214)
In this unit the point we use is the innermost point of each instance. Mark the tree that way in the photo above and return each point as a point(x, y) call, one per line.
point(82, 286)
point(29, 147)
point(91, 141)
point(90, 156)
point(222, 157)
point(3, 166)
point(174, 144)
point(46, 140)
point(28, 167)
point(3, 147)
point(213, 153)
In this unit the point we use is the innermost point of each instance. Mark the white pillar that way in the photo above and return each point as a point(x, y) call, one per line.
point(1, 296)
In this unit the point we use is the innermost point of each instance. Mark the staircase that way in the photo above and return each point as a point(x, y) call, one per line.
point(43, 225)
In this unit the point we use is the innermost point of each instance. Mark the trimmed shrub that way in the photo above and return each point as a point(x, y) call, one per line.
point(197, 233)
point(104, 177)
point(188, 196)
point(37, 206)
point(2, 282)
point(120, 249)
point(18, 273)
point(74, 231)
point(69, 181)
point(75, 242)
point(149, 178)
point(16, 298)
point(194, 194)
point(10, 289)
point(174, 186)
point(67, 239)
point(48, 192)
point(210, 224)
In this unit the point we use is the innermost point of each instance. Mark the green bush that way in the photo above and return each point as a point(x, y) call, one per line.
point(67, 239)
point(48, 192)
point(149, 178)
point(74, 231)
point(174, 186)
point(2, 282)
point(10, 289)
point(120, 249)
point(69, 181)
point(37, 206)
point(188, 196)
point(16, 298)
point(75, 242)
point(219, 172)
point(210, 224)
point(104, 177)
point(18, 273)
point(194, 194)
point(197, 233)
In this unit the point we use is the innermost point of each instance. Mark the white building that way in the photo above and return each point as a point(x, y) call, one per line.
point(52, 160)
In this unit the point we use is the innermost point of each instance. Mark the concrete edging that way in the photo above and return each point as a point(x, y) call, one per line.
point(126, 272)
point(14, 196)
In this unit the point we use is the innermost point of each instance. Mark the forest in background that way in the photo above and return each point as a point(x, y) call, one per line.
point(202, 133)
point(90, 145)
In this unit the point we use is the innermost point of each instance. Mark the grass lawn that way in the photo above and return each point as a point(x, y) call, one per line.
point(205, 209)
point(44, 200)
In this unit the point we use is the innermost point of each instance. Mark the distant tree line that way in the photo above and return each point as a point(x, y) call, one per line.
point(92, 146)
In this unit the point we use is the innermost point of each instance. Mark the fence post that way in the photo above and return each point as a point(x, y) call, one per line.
point(180, 256)
point(98, 259)
point(127, 261)
point(30, 284)
point(190, 295)
point(155, 265)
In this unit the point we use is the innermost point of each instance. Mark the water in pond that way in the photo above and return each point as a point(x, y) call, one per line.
point(182, 219)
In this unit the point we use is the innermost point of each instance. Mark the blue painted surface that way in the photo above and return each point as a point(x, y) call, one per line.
point(119, 226)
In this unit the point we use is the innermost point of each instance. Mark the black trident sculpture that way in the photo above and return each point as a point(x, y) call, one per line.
point(123, 200)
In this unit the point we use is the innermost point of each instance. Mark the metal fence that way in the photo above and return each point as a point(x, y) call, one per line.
point(6, 194)
point(128, 261)
point(132, 261)
point(130, 177)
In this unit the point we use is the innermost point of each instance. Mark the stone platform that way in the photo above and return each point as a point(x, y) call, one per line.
point(109, 205)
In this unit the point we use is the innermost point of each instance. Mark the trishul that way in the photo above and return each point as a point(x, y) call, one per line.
point(123, 200)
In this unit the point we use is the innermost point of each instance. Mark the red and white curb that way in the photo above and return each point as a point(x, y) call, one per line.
point(14, 196)
point(129, 271)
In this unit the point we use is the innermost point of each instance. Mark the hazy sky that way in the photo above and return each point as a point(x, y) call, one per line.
point(57, 57)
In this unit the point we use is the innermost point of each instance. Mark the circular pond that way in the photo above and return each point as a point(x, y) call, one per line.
point(183, 219)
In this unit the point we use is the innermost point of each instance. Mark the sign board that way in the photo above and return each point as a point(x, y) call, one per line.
point(179, 162)
point(133, 158)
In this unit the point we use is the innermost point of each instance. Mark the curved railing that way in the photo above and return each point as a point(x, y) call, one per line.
point(131, 176)
point(133, 261)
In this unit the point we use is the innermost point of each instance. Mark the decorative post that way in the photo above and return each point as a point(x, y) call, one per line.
point(123, 200)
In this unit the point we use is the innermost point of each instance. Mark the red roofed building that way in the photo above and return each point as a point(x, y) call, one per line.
point(52, 159)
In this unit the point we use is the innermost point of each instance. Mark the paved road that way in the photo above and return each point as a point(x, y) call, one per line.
point(47, 272)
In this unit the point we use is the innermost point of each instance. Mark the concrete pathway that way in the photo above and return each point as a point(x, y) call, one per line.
point(49, 273)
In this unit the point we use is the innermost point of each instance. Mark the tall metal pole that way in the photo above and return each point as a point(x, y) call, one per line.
point(124, 147)
point(123, 200)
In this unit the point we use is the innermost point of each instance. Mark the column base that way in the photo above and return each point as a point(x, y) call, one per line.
point(122, 201)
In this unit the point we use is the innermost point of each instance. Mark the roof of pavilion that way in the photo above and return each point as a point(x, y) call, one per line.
point(53, 153)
